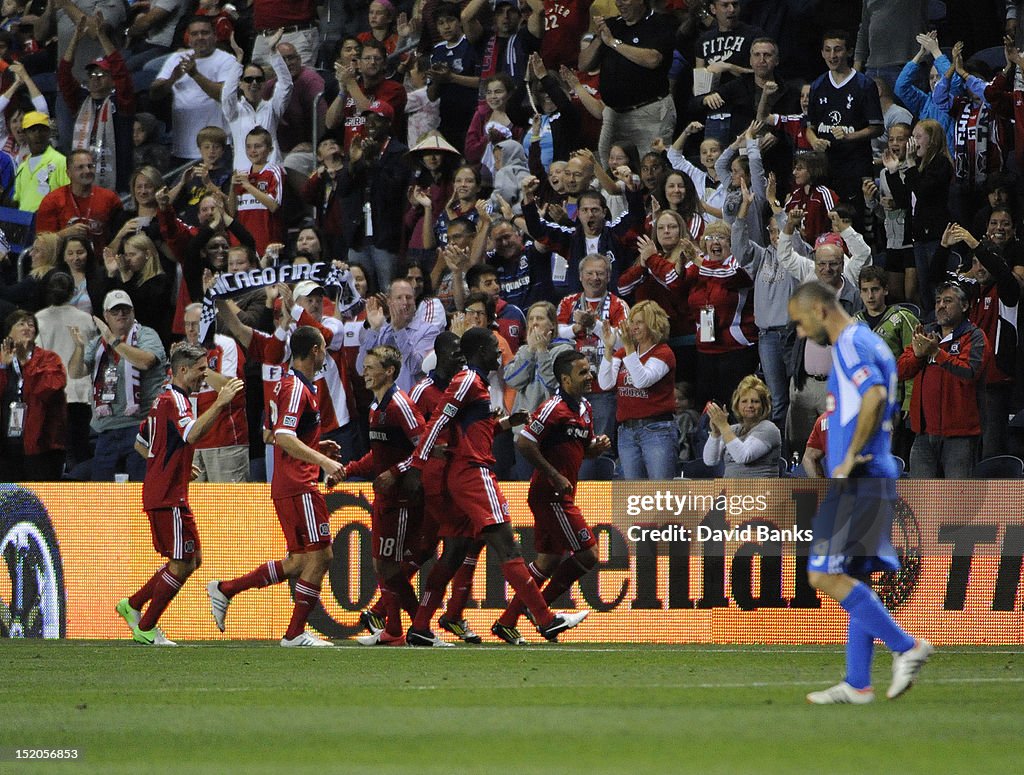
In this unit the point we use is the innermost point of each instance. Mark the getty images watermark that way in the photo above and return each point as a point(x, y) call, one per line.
point(703, 513)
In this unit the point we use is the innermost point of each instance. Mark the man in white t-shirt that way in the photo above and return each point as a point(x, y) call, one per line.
point(189, 77)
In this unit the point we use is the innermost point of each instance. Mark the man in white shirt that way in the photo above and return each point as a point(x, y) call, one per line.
point(189, 78)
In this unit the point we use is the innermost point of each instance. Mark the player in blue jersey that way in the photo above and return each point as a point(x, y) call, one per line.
point(852, 527)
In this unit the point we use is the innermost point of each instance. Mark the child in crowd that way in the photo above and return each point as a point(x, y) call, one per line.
point(259, 193)
point(212, 171)
point(422, 113)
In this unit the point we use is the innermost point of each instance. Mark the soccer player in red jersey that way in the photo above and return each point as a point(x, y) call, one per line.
point(481, 510)
point(395, 428)
point(557, 438)
point(166, 440)
point(299, 454)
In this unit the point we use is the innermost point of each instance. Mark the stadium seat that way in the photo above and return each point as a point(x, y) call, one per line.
point(901, 466)
point(999, 467)
point(18, 228)
point(913, 308)
point(697, 469)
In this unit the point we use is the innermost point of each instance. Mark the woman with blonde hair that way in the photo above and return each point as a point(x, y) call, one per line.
point(752, 447)
point(920, 184)
point(42, 259)
point(141, 216)
point(138, 272)
point(643, 373)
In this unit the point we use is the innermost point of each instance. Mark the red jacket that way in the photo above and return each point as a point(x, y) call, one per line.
point(46, 410)
point(945, 397)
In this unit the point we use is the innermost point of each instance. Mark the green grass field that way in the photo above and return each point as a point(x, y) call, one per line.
point(558, 709)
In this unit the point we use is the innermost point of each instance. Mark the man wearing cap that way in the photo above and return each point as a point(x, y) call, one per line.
point(80, 209)
point(44, 170)
point(126, 365)
point(634, 53)
point(810, 361)
point(104, 105)
point(373, 186)
point(357, 92)
point(508, 46)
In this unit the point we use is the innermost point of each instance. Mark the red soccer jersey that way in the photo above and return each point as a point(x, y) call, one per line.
point(816, 205)
point(387, 91)
point(230, 428)
point(169, 464)
point(427, 395)
point(466, 406)
point(294, 411)
point(395, 428)
point(635, 403)
point(263, 349)
point(565, 21)
point(564, 430)
point(725, 287)
point(264, 226)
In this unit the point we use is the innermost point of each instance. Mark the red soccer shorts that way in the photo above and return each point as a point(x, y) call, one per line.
point(175, 535)
point(304, 521)
point(395, 528)
point(476, 500)
point(559, 526)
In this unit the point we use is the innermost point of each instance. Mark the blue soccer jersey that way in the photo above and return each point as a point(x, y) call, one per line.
point(860, 360)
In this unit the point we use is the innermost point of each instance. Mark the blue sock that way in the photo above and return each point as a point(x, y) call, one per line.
point(860, 648)
point(874, 618)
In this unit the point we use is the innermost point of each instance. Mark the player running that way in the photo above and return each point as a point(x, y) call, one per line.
point(557, 438)
point(299, 454)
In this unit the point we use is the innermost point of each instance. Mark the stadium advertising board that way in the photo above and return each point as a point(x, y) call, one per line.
point(688, 561)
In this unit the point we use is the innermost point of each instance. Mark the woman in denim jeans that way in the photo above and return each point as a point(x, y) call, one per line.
point(643, 374)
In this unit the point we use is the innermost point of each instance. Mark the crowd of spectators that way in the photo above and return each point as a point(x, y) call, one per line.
point(646, 181)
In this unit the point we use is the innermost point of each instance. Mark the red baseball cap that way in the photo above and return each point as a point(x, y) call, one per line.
point(381, 109)
point(831, 238)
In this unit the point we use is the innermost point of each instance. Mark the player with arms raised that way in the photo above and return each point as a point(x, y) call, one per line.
point(299, 454)
point(166, 440)
point(557, 438)
point(852, 527)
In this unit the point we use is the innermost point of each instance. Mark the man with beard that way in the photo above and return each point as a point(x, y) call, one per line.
point(947, 362)
point(851, 529)
point(994, 294)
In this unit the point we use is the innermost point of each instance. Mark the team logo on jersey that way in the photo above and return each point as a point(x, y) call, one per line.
point(537, 427)
point(860, 375)
point(190, 547)
point(583, 535)
point(514, 331)
point(849, 101)
point(835, 117)
point(450, 410)
point(290, 421)
point(955, 348)
point(325, 529)
point(505, 509)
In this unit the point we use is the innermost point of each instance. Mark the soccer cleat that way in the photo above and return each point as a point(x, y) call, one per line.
point(563, 621)
point(305, 639)
point(154, 637)
point(459, 628)
point(907, 665)
point(426, 638)
point(371, 621)
point(219, 603)
point(842, 694)
point(508, 634)
point(129, 614)
point(382, 638)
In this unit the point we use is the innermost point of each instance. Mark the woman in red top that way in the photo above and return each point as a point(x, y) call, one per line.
point(810, 194)
point(720, 295)
point(669, 255)
point(34, 410)
point(643, 373)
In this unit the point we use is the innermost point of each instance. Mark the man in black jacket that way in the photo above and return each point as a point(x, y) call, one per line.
point(373, 185)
